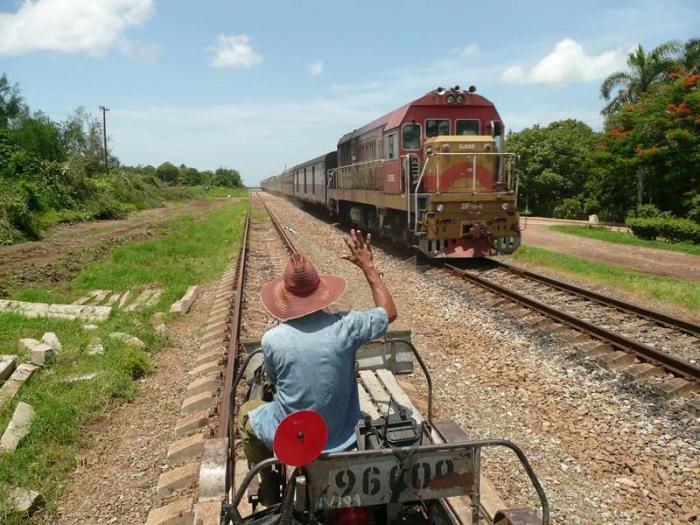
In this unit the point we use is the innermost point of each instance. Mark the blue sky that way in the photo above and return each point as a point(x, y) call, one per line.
point(257, 85)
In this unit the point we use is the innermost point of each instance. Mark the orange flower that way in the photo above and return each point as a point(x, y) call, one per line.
point(690, 81)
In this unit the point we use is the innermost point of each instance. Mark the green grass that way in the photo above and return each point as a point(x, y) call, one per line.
point(603, 234)
point(195, 250)
point(668, 289)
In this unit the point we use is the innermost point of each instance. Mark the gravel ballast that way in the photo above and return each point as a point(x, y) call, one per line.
point(606, 450)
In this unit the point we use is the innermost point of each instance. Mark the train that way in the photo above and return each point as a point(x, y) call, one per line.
point(432, 174)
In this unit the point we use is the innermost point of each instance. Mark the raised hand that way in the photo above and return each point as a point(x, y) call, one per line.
point(360, 250)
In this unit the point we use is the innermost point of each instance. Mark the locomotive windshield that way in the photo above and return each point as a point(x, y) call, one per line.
point(468, 127)
point(435, 127)
point(411, 136)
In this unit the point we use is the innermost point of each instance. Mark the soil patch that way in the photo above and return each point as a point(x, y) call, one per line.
point(659, 262)
point(68, 249)
point(124, 453)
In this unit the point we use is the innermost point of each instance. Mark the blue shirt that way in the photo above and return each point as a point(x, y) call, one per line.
point(311, 360)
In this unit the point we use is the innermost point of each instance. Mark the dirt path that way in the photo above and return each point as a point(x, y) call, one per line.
point(124, 453)
point(659, 262)
point(68, 248)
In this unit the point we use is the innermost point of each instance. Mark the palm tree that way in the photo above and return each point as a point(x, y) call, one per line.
point(643, 70)
point(690, 57)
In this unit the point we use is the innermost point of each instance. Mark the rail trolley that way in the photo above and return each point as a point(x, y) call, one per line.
point(404, 468)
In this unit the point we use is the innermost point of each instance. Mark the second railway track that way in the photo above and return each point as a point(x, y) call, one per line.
point(644, 342)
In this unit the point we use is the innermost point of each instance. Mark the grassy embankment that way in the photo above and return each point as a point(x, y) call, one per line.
point(195, 250)
point(669, 289)
point(603, 234)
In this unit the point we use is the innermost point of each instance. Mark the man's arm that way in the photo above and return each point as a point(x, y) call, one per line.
point(361, 256)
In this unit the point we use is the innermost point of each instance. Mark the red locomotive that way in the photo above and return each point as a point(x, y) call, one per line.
point(432, 174)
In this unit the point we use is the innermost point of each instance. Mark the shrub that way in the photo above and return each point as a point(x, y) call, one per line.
point(570, 208)
point(694, 209)
point(671, 229)
point(16, 219)
point(136, 363)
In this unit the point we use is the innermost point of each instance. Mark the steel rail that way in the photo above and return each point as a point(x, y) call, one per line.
point(288, 243)
point(639, 311)
point(672, 364)
point(226, 422)
point(226, 427)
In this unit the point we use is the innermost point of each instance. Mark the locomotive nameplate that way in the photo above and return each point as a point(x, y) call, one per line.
point(359, 480)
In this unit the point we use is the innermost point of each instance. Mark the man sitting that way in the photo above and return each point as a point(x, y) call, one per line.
point(310, 355)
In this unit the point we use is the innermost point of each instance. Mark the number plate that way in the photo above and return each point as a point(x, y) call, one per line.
point(361, 481)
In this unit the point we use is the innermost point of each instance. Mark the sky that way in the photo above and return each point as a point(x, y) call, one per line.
point(259, 85)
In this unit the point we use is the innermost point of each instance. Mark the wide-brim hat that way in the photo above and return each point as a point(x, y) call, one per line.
point(301, 290)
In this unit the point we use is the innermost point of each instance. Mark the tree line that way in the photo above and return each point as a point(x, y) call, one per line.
point(53, 171)
point(646, 161)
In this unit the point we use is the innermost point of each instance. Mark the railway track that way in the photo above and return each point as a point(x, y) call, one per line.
point(641, 341)
point(263, 255)
point(264, 251)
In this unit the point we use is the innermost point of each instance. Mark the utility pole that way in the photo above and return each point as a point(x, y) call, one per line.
point(104, 133)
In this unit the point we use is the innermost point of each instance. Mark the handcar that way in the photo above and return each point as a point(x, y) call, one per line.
point(404, 467)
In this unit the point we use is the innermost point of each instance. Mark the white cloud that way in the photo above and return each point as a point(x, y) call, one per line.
point(235, 51)
point(70, 26)
point(315, 68)
point(567, 63)
point(470, 50)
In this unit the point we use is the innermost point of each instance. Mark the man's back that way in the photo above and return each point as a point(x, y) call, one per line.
point(311, 360)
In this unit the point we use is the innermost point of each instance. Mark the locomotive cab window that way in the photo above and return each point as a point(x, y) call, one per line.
point(468, 127)
point(391, 146)
point(411, 136)
point(436, 127)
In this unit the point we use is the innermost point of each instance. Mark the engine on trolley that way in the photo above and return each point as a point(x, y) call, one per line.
point(432, 174)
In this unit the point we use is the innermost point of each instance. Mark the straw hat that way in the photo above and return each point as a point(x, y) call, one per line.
point(301, 290)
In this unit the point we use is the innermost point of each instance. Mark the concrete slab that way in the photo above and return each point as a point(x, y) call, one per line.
point(128, 339)
point(643, 370)
point(95, 347)
point(594, 350)
point(213, 355)
point(212, 366)
point(694, 406)
point(179, 512)
point(207, 383)
point(191, 423)
point(15, 381)
point(8, 363)
point(178, 478)
point(186, 449)
point(25, 501)
point(42, 355)
point(183, 305)
point(615, 360)
point(198, 402)
point(124, 299)
point(677, 387)
point(51, 339)
point(207, 512)
point(18, 428)
point(213, 469)
point(27, 344)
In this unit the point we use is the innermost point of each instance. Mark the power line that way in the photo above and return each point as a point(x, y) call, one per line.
point(104, 134)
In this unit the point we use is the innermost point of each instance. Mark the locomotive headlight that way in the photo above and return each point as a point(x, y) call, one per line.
point(450, 99)
point(460, 99)
point(505, 206)
point(440, 207)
